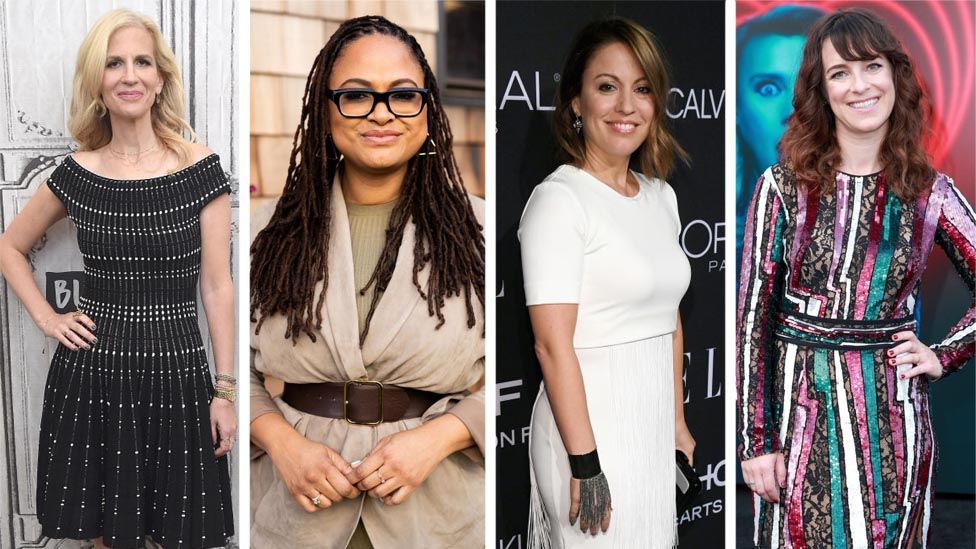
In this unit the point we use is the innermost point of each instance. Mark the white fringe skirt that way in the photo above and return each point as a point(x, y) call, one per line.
point(630, 398)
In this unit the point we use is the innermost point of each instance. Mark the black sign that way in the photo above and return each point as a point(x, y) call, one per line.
point(62, 290)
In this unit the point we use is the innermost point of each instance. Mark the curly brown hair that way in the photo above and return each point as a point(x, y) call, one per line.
point(289, 256)
point(809, 144)
point(657, 155)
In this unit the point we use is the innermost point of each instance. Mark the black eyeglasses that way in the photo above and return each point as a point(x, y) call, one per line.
point(360, 102)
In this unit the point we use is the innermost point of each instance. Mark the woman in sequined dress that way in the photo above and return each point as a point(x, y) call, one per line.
point(133, 432)
point(833, 425)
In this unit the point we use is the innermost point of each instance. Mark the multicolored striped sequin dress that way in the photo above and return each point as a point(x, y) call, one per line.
point(125, 447)
point(825, 283)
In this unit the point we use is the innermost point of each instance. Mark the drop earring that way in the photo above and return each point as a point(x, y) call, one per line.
point(578, 124)
point(429, 149)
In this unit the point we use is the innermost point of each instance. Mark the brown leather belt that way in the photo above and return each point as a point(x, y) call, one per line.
point(358, 401)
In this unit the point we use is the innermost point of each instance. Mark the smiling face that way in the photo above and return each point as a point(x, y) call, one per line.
point(381, 142)
point(131, 79)
point(861, 93)
point(768, 66)
point(615, 103)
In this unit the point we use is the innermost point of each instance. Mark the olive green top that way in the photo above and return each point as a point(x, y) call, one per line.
point(367, 229)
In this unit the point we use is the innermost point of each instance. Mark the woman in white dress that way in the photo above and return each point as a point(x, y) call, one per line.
point(604, 274)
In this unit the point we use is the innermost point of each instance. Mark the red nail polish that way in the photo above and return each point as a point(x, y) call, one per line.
point(894, 336)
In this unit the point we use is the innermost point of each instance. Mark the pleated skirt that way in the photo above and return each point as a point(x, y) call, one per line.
point(630, 398)
point(126, 451)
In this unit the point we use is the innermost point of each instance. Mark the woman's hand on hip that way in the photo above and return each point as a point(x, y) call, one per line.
point(315, 475)
point(223, 425)
point(73, 330)
point(684, 442)
point(765, 475)
point(401, 462)
point(914, 352)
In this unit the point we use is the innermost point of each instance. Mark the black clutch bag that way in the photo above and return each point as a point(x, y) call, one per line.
point(687, 482)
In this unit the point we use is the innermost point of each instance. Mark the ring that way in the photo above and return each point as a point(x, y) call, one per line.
point(382, 480)
point(316, 500)
point(65, 332)
point(76, 314)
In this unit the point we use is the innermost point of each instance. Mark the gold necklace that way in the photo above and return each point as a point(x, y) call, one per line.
point(124, 156)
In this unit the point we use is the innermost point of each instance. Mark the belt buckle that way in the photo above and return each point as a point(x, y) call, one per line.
point(345, 401)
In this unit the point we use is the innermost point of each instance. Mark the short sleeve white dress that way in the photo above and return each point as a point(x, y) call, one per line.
point(618, 257)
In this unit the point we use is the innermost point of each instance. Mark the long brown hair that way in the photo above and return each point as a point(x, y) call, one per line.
point(810, 145)
point(289, 257)
point(656, 156)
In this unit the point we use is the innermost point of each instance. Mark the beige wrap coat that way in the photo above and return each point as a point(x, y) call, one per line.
point(402, 348)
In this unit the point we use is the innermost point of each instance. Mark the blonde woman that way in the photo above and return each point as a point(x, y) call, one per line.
point(133, 432)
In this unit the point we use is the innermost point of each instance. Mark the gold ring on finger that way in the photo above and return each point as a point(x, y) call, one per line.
point(76, 314)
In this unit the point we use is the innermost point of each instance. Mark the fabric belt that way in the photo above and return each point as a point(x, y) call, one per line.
point(359, 402)
point(844, 334)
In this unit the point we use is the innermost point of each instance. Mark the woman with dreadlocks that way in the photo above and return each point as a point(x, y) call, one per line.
point(367, 300)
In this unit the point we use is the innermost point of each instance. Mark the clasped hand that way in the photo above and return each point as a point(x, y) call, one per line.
point(317, 476)
point(397, 465)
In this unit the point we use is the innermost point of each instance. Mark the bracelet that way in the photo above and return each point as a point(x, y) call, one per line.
point(226, 394)
point(230, 378)
point(585, 466)
point(44, 324)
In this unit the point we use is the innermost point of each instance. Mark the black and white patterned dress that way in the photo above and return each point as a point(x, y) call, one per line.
point(125, 447)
